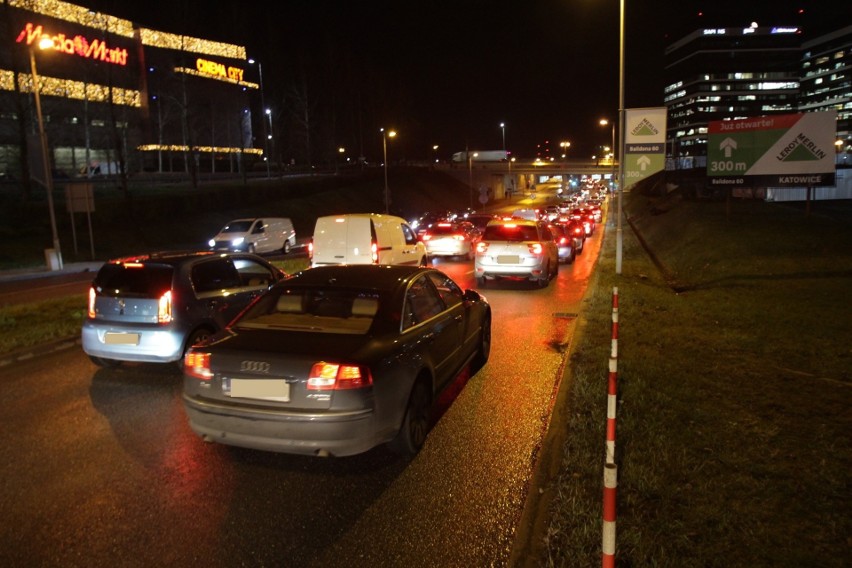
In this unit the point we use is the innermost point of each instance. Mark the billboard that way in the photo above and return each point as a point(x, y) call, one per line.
point(644, 143)
point(773, 151)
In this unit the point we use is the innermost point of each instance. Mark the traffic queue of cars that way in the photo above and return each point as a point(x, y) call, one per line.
point(338, 358)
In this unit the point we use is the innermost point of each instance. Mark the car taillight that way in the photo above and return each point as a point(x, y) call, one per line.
point(426, 237)
point(197, 364)
point(164, 308)
point(374, 252)
point(535, 248)
point(578, 230)
point(481, 246)
point(92, 296)
point(311, 249)
point(338, 376)
point(562, 240)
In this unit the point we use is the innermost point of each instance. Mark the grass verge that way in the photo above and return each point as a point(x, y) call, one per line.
point(734, 391)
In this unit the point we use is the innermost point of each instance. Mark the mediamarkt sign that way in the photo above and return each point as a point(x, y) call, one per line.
point(77, 45)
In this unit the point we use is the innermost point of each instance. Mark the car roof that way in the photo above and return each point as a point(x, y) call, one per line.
point(372, 276)
point(514, 221)
point(170, 257)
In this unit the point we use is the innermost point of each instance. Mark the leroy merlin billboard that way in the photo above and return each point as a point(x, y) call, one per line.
point(644, 143)
point(773, 151)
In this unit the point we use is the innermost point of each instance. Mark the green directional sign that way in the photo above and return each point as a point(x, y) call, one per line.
point(789, 149)
point(644, 143)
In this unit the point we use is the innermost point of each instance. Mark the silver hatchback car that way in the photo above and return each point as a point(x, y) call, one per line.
point(151, 308)
point(519, 249)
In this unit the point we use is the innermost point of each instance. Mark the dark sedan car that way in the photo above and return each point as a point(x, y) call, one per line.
point(336, 360)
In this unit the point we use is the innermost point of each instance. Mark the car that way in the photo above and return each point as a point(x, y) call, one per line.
point(480, 220)
point(518, 249)
point(564, 242)
point(151, 308)
point(577, 230)
point(267, 235)
point(337, 360)
point(451, 239)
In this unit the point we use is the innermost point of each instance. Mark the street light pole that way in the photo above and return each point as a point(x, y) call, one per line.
point(263, 109)
point(45, 154)
point(385, 135)
point(619, 238)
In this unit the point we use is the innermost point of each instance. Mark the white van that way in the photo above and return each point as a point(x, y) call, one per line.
point(269, 234)
point(365, 238)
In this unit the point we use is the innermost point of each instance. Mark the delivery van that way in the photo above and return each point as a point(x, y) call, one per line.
point(269, 234)
point(365, 238)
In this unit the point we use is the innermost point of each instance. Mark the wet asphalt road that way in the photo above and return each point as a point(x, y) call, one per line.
point(101, 469)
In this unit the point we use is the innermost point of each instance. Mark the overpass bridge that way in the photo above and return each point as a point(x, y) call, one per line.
point(500, 180)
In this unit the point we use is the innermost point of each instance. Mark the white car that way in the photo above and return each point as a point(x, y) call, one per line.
point(517, 249)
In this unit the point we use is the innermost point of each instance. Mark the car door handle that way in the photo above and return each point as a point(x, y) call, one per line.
point(458, 318)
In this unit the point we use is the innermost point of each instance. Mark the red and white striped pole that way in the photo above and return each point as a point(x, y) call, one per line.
point(614, 353)
point(608, 544)
point(611, 398)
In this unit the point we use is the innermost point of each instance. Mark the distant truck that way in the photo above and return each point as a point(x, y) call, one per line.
point(482, 156)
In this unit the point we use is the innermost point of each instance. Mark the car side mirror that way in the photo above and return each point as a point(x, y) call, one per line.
point(471, 296)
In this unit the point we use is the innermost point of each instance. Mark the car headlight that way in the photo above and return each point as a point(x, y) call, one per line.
point(211, 243)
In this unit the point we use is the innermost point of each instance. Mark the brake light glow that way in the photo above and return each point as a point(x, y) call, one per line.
point(481, 246)
point(445, 224)
point(426, 236)
point(197, 364)
point(337, 376)
point(164, 308)
point(311, 249)
point(92, 296)
point(535, 248)
point(374, 252)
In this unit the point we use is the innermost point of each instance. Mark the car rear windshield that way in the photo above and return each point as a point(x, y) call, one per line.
point(444, 229)
point(134, 279)
point(320, 310)
point(510, 232)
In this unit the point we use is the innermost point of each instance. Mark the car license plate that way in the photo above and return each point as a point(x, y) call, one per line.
point(115, 338)
point(508, 259)
point(264, 389)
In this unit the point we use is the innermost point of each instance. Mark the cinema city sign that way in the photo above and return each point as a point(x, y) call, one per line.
point(77, 45)
point(216, 69)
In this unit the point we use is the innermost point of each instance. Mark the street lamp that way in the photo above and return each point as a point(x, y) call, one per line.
point(271, 141)
point(266, 135)
point(503, 128)
point(45, 43)
point(565, 145)
point(385, 135)
point(435, 149)
point(605, 122)
point(619, 238)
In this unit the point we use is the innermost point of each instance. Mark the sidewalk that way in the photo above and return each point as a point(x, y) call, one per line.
point(43, 272)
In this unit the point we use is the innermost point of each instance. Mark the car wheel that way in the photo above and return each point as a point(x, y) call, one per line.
point(415, 423)
point(251, 248)
point(105, 363)
point(572, 256)
point(481, 282)
point(424, 261)
point(286, 249)
point(544, 280)
point(484, 351)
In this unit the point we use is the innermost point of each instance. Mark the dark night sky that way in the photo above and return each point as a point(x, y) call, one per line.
point(448, 72)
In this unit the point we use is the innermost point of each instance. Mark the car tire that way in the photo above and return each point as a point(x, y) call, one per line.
point(484, 350)
point(286, 248)
point(572, 257)
point(105, 363)
point(544, 280)
point(415, 423)
point(481, 282)
point(251, 248)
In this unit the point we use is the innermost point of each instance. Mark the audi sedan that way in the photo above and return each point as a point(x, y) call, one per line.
point(336, 360)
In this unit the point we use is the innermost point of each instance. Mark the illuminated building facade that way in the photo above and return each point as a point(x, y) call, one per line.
point(732, 73)
point(727, 73)
point(826, 83)
point(115, 93)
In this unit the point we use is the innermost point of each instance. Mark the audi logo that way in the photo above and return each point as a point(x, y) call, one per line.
point(255, 366)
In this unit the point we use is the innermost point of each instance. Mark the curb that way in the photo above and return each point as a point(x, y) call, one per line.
point(27, 353)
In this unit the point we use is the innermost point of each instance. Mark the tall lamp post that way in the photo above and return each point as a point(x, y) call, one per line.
point(385, 135)
point(263, 107)
point(619, 238)
point(605, 122)
point(45, 43)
